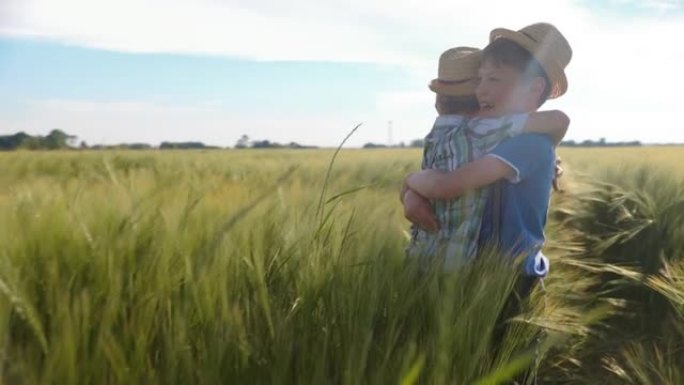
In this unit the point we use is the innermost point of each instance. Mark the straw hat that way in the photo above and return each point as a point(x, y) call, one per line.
point(457, 71)
point(548, 46)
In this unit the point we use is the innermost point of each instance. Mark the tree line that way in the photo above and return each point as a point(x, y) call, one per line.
point(58, 139)
point(600, 143)
point(55, 140)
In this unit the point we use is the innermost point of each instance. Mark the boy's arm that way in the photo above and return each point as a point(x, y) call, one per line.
point(553, 123)
point(515, 159)
point(436, 184)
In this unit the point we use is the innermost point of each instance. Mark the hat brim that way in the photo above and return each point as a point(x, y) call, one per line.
point(466, 88)
point(555, 73)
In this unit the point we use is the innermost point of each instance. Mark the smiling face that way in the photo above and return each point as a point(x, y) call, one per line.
point(503, 89)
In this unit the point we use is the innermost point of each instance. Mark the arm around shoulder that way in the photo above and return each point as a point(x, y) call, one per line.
point(553, 123)
point(435, 184)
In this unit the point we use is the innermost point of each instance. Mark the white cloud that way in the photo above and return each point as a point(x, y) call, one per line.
point(194, 27)
point(662, 5)
point(397, 31)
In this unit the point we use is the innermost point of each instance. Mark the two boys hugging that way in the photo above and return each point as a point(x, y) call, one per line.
point(489, 161)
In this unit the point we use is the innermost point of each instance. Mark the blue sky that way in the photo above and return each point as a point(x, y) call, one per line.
point(44, 70)
point(210, 70)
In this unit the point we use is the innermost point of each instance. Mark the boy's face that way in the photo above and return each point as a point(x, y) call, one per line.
point(503, 90)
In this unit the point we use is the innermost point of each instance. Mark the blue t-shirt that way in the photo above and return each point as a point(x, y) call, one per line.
point(524, 198)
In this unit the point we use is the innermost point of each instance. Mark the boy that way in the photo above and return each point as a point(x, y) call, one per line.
point(460, 135)
point(519, 72)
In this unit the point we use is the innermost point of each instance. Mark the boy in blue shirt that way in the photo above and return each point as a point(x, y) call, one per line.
point(520, 70)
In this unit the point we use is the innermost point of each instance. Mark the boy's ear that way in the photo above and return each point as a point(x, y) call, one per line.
point(537, 86)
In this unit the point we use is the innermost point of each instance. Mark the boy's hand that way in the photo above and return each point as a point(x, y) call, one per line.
point(558, 173)
point(402, 192)
point(419, 211)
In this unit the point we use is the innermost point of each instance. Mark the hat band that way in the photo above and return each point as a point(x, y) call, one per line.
point(529, 36)
point(450, 82)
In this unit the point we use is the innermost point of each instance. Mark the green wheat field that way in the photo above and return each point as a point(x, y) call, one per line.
point(276, 267)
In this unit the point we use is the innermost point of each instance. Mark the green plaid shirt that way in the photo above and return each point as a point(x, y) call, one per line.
point(453, 142)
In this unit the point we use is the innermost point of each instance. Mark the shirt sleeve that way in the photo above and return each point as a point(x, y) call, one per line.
point(512, 124)
point(526, 154)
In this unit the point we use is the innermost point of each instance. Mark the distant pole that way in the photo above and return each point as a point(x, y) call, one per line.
point(389, 133)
